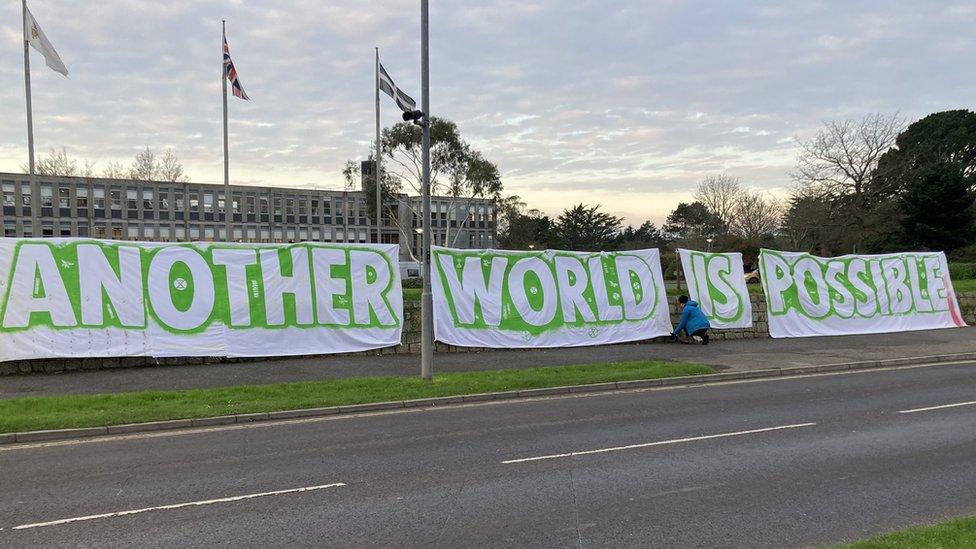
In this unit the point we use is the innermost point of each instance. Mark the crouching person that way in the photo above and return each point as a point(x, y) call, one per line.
point(693, 322)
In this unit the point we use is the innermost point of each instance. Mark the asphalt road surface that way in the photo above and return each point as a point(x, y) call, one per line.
point(790, 462)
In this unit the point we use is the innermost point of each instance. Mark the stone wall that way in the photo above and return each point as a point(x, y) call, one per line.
point(410, 343)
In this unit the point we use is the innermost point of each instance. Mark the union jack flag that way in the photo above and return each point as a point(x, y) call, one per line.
point(230, 73)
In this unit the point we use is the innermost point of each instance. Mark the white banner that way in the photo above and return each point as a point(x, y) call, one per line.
point(496, 298)
point(93, 298)
point(857, 294)
point(718, 283)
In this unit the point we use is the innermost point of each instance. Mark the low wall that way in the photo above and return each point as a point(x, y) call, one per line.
point(409, 344)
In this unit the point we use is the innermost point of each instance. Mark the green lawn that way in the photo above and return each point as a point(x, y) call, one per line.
point(956, 534)
point(29, 414)
point(412, 294)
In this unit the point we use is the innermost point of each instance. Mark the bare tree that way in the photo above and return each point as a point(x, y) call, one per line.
point(145, 166)
point(171, 169)
point(756, 216)
point(115, 170)
point(838, 165)
point(842, 156)
point(55, 163)
point(721, 195)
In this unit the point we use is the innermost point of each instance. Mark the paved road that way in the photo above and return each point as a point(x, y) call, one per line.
point(796, 462)
point(740, 354)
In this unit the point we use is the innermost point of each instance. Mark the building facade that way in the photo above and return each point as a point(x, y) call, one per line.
point(156, 211)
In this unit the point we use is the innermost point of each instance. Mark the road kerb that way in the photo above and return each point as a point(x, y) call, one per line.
point(94, 432)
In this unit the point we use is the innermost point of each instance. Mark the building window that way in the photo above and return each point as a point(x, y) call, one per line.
point(81, 197)
point(131, 196)
point(220, 202)
point(132, 231)
point(9, 229)
point(148, 199)
point(64, 197)
point(277, 235)
point(291, 235)
point(264, 203)
point(149, 232)
point(164, 201)
point(265, 235)
point(208, 202)
point(194, 233)
point(98, 195)
point(115, 196)
point(164, 233)
point(249, 204)
point(208, 234)
point(47, 229)
point(47, 198)
point(8, 195)
point(238, 235)
point(83, 230)
point(100, 231)
point(194, 201)
point(180, 233)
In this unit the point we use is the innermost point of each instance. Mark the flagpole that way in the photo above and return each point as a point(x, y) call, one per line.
point(30, 125)
point(427, 337)
point(223, 83)
point(376, 170)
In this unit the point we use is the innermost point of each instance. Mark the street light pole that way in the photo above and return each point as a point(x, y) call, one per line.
point(427, 311)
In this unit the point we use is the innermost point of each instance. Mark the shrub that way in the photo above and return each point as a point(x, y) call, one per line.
point(413, 283)
point(962, 271)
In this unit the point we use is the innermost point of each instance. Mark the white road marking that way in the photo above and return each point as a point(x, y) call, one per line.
point(176, 506)
point(658, 443)
point(944, 406)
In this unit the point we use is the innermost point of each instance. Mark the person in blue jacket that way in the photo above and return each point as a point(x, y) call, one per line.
point(693, 321)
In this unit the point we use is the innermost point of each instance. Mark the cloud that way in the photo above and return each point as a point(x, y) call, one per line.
point(626, 103)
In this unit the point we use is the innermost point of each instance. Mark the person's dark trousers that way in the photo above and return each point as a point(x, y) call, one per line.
point(703, 333)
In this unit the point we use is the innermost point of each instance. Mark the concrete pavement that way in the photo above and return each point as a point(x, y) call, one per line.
point(790, 462)
point(746, 354)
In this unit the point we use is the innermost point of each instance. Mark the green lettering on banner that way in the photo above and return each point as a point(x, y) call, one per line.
point(712, 276)
point(852, 286)
point(538, 292)
point(187, 288)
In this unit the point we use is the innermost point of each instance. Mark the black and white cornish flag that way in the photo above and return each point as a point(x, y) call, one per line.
point(403, 100)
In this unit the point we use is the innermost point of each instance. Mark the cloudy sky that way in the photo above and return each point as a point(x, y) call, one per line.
point(622, 103)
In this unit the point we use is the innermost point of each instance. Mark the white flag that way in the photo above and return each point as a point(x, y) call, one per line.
point(38, 40)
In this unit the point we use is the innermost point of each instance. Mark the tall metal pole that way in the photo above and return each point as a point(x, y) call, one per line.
point(377, 174)
point(223, 83)
point(427, 304)
point(35, 211)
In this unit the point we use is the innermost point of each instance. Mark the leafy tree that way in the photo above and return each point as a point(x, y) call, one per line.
point(947, 138)
point(457, 170)
point(692, 223)
point(645, 236)
point(530, 230)
point(938, 207)
point(586, 228)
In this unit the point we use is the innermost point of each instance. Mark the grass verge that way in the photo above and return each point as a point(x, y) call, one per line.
point(61, 412)
point(949, 535)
